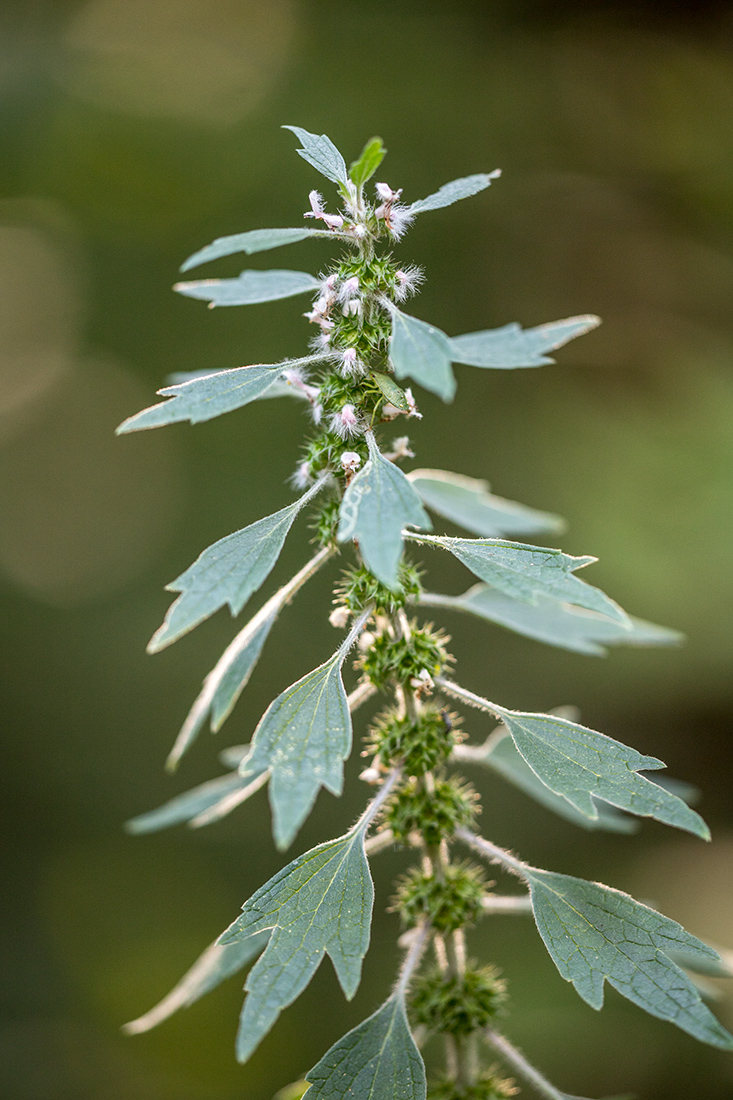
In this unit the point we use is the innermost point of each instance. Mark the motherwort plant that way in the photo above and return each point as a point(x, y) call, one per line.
point(349, 476)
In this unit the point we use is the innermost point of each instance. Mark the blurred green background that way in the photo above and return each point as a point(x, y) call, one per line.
point(134, 131)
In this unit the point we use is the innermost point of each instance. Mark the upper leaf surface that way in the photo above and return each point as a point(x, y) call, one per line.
point(254, 240)
point(371, 157)
point(217, 963)
point(455, 190)
point(320, 903)
point(511, 346)
point(554, 623)
point(304, 737)
point(420, 351)
point(205, 397)
point(322, 154)
point(228, 572)
point(578, 763)
point(250, 287)
point(528, 572)
point(595, 934)
point(468, 502)
point(378, 503)
point(377, 1060)
point(187, 807)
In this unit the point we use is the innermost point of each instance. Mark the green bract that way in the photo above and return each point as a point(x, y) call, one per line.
point(353, 387)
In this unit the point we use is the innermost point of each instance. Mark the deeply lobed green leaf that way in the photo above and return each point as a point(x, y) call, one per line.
point(511, 346)
point(211, 798)
point(421, 351)
point(468, 502)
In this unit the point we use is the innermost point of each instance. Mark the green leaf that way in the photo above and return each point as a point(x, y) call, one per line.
point(377, 1060)
point(205, 397)
point(323, 155)
point(303, 737)
point(371, 157)
point(321, 903)
point(391, 390)
point(509, 346)
point(455, 190)
point(554, 623)
point(420, 351)
point(580, 764)
point(216, 794)
point(228, 572)
point(468, 502)
point(378, 503)
point(501, 755)
point(596, 934)
point(255, 240)
point(250, 287)
point(528, 573)
point(217, 963)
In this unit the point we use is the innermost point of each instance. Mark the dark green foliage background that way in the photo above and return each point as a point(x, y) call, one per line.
point(133, 133)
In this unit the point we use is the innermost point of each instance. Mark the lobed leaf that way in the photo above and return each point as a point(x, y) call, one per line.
point(254, 240)
point(217, 963)
point(595, 934)
point(420, 351)
point(206, 396)
point(322, 154)
point(250, 288)
point(321, 903)
point(228, 572)
point(210, 796)
point(468, 502)
point(581, 765)
point(371, 157)
point(377, 1060)
point(528, 573)
point(555, 623)
point(378, 503)
point(455, 190)
point(511, 346)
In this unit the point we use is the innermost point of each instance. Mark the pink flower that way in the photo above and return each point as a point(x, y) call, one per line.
point(333, 221)
point(345, 423)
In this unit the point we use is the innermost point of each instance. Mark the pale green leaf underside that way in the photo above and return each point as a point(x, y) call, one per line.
point(527, 572)
point(595, 934)
point(278, 388)
point(250, 288)
point(377, 1060)
point(468, 502)
point(303, 737)
point(554, 623)
point(580, 764)
point(454, 191)
point(377, 505)
point(205, 397)
point(503, 757)
point(511, 346)
point(322, 154)
point(188, 806)
point(228, 572)
point(217, 963)
point(321, 903)
point(421, 351)
point(255, 240)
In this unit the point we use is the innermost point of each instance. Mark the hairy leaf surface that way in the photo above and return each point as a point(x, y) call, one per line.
point(579, 764)
point(555, 623)
point(511, 346)
point(595, 934)
point(321, 903)
point(322, 154)
point(455, 190)
point(377, 1060)
point(371, 157)
point(378, 503)
point(217, 963)
point(528, 572)
point(187, 807)
point(421, 351)
point(228, 572)
point(254, 240)
point(205, 397)
point(250, 288)
point(468, 502)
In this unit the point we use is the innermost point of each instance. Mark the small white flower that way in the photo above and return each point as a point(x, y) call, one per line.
point(339, 617)
point(423, 683)
point(317, 413)
point(398, 219)
point(302, 477)
point(385, 192)
point(370, 775)
point(400, 449)
point(350, 461)
point(366, 641)
point(407, 282)
point(349, 289)
point(413, 406)
point(333, 221)
point(294, 377)
point(353, 308)
point(345, 423)
point(350, 366)
point(322, 342)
